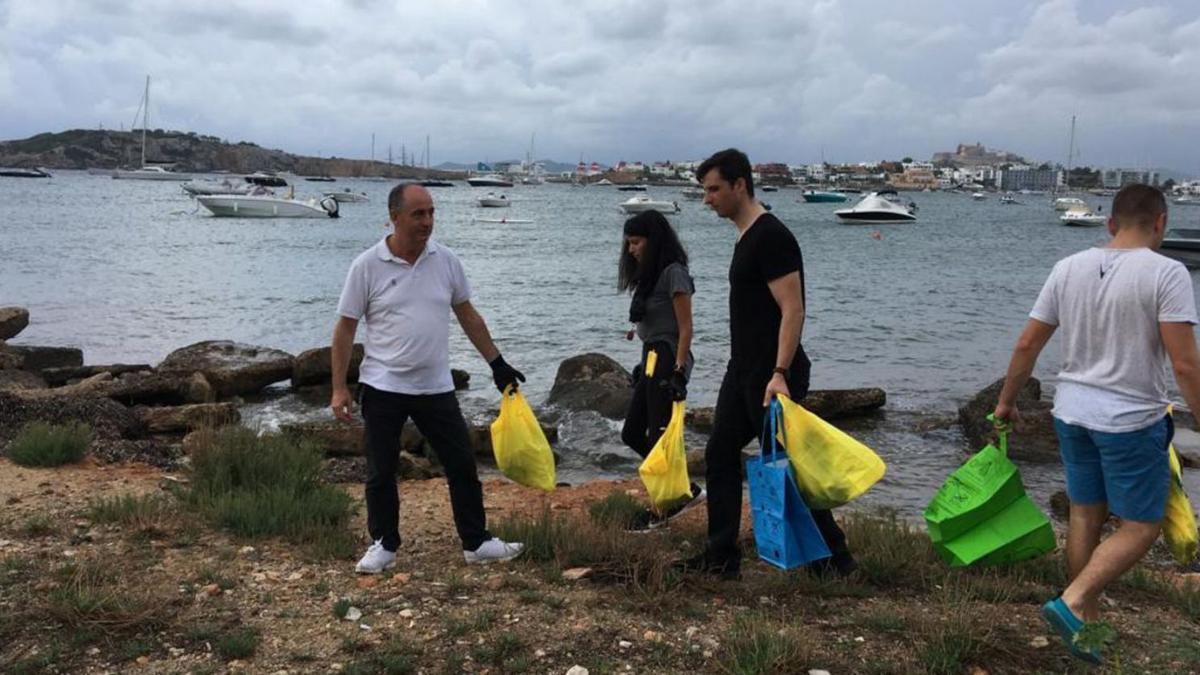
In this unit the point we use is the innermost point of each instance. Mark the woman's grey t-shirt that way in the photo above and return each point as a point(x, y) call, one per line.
point(659, 324)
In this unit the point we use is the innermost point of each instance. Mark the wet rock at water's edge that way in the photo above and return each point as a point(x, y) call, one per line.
point(1033, 441)
point(13, 320)
point(592, 382)
point(233, 368)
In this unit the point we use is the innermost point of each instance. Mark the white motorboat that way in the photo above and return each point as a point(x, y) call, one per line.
point(603, 182)
point(768, 188)
point(347, 196)
point(1187, 200)
point(489, 180)
point(149, 173)
point(24, 173)
point(641, 203)
point(879, 207)
point(492, 200)
point(268, 206)
point(1083, 218)
point(695, 193)
point(1070, 204)
point(212, 187)
point(265, 179)
point(1008, 199)
point(978, 196)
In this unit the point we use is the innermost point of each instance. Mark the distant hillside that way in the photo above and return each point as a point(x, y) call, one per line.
point(188, 151)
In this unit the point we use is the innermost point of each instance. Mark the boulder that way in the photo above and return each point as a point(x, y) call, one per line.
point(592, 382)
point(107, 418)
point(166, 419)
point(1033, 441)
point(57, 377)
point(462, 379)
point(157, 388)
point(13, 320)
point(95, 385)
point(232, 368)
point(9, 360)
point(20, 379)
point(315, 366)
point(41, 358)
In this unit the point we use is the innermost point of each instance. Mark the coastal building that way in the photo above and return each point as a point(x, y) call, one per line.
point(773, 173)
point(1114, 179)
point(915, 177)
point(1028, 178)
point(974, 155)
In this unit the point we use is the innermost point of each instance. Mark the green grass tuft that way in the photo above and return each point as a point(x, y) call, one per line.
point(760, 645)
point(41, 444)
point(615, 510)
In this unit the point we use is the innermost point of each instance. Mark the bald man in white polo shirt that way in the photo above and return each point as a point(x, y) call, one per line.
point(404, 288)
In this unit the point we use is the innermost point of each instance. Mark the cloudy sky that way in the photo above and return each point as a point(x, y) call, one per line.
point(621, 79)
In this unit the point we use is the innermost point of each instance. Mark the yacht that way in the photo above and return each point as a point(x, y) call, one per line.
point(489, 180)
point(265, 179)
point(640, 203)
point(1187, 200)
point(603, 182)
point(347, 196)
point(149, 173)
point(1008, 199)
point(1083, 218)
point(822, 196)
point(436, 183)
point(320, 179)
point(24, 173)
point(212, 187)
point(268, 206)
point(978, 196)
point(492, 200)
point(1070, 204)
point(879, 207)
point(693, 192)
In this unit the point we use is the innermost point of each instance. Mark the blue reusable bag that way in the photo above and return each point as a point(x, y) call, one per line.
point(784, 530)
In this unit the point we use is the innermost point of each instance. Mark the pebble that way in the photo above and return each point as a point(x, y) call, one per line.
point(652, 636)
point(295, 576)
point(624, 644)
point(494, 583)
point(577, 573)
point(92, 651)
point(818, 672)
point(401, 578)
point(211, 589)
point(246, 550)
point(1039, 642)
point(860, 639)
point(143, 660)
point(691, 633)
point(353, 614)
point(407, 613)
point(577, 670)
point(367, 582)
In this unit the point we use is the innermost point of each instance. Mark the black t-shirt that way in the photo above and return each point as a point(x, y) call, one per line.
point(767, 251)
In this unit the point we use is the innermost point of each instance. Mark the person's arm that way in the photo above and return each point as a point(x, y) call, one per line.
point(682, 303)
point(343, 345)
point(477, 332)
point(1180, 342)
point(789, 296)
point(1030, 344)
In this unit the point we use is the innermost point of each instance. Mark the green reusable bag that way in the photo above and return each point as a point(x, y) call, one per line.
point(982, 514)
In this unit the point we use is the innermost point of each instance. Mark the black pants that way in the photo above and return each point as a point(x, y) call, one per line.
point(650, 408)
point(738, 419)
point(441, 422)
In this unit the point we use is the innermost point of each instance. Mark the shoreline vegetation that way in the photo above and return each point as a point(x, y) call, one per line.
point(144, 528)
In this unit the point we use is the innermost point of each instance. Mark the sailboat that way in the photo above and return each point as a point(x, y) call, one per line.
point(533, 170)
point(1069, 203)
point(148, 172)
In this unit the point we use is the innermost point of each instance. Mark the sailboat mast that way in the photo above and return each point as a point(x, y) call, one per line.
point(1070, 153)
point(145, 118)
point(426, 151)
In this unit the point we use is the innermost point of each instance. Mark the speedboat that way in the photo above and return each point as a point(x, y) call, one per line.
point(320, 179)
point(822, 196)
point(768, 188)
point(24, 173)
point(1182, 245)
point(631, 188)
point(212, 187)
point(268, 206)
point(978, 196)
point(1008, 199)
point(1185, 200)
point(1082, 218)
point(436, 183)
point(879, 207)
point(149, 173)
point(491, 200)
point(347, 196)
point(489, 180)
point(641, 203)
point(1070, 204)
point(603, 182)
point(265, 179)
point(693, 193)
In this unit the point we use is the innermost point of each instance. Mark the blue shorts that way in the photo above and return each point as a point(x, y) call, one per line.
point(1130, 471)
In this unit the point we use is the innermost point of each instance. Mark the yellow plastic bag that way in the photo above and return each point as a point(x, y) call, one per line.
point(831, 467)
point(1179, 521)
point(664, 471)
point(522, 452)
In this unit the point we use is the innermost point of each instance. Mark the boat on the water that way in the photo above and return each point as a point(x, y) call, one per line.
point(492, 200)
point(879, 207)
point(1070, 204)
point(268, 206)
point(978, 196)
point(768, 188)
point(695, 193)
point(501, 221)
point(24, 173)
point(822, 196)
point(642, 203)
point(223, 187)
point(347, 196)
point(266, 179)
point(1083, 218)
point(631, 188)
point(489, 180)
point(436, 183)
point(149, 173)
point(320, 179)
point(1182, 245)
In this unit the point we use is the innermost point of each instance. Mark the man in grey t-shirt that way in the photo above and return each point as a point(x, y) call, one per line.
point(1123, 310)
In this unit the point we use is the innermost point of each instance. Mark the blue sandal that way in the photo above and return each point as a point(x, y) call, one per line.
point(1063, 620)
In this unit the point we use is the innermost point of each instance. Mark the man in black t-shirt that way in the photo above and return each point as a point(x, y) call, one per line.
point(766, 318)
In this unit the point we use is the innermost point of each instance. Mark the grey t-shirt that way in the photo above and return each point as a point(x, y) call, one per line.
point(658, 324)
point(1107, 304)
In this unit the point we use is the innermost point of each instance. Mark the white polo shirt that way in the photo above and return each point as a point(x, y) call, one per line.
point(407, 316)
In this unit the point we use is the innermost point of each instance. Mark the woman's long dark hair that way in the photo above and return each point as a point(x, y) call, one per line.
point(662, 250)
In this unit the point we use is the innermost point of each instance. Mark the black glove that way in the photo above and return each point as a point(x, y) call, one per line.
point(504, 375)
point(677, 385)
point(636, 375)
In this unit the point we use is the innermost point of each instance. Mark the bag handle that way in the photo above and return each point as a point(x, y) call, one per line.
point(771, 429)
point(1002, 428)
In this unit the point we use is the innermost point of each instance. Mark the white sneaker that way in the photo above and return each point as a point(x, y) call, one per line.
point(493, 550)
point(376, 559)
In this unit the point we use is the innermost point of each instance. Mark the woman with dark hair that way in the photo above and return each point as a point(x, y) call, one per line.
point(653, 267)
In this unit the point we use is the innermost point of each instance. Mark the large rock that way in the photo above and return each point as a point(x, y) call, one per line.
point(20, 379)
point(1033, 441)
point(13, 320)
point(157, 388)
point(828, 404)
point(107, 418)
point(592, 382)
point(232, 368)
point(41, 358)
point(315, 366)
point(9, 360)
point(167, 419)
point(56, 377)
point(338, 438)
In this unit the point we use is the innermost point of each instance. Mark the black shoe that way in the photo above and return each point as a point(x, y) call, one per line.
point(841, 565)
point(726, 569)
point(643, 522)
